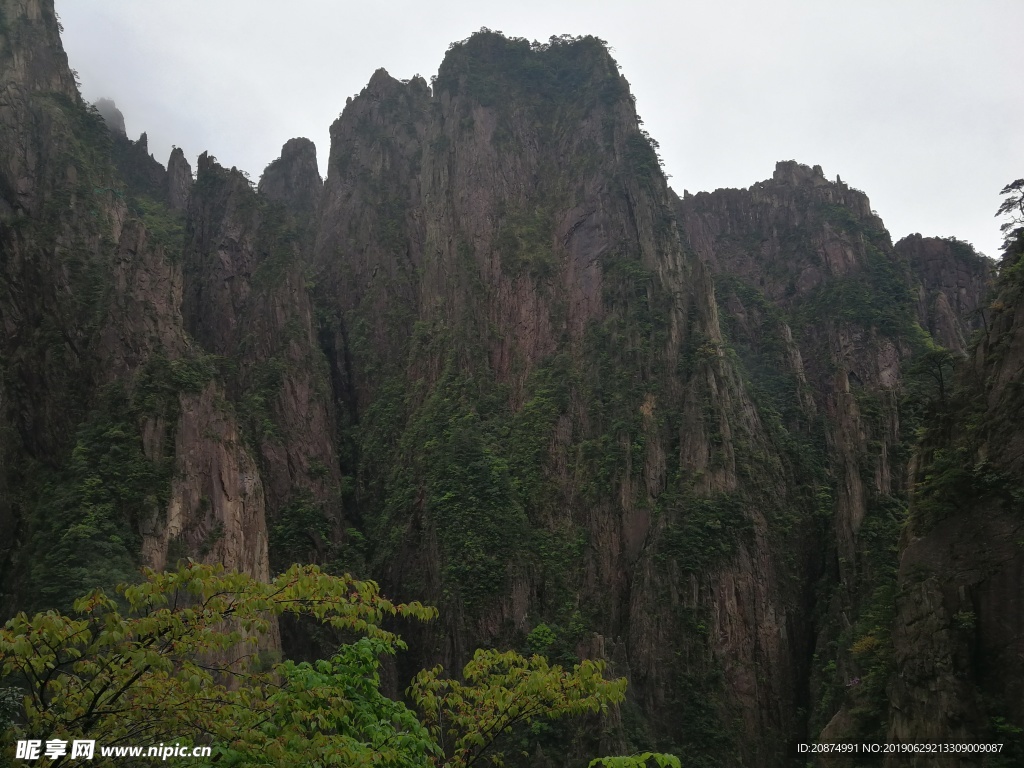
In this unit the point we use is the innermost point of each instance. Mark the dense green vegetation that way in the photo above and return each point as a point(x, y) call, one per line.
point(83, 520)
point(83, 527)
point(165, 226)
point(171, 660)
point(525, 243)
point(493, 69)
point(474, 468)
point(78, 483)
point(877, 296)
point(957, 471)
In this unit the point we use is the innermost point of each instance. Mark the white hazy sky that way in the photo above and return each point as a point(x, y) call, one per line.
point(919, 103)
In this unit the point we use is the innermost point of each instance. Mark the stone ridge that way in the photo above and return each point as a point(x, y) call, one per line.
point(795, 195)
point(793, 173)
point(825, 311)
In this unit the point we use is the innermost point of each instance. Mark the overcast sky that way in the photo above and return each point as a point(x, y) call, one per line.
point(920, 103)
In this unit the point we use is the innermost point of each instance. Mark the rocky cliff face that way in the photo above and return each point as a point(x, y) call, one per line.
point(957, 634)
point(493, 362)
point(953, 284)
point(32, 54)
point(117, 450)
point(567, 438)
point(245, 300)
point(806, 268)
point(824, 312)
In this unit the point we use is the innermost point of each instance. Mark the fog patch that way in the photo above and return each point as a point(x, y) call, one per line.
point(111, 115)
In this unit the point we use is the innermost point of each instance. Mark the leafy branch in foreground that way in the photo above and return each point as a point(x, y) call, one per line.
point(503, 690)
point(179, 660)
point(637, 761)
point(174, 661)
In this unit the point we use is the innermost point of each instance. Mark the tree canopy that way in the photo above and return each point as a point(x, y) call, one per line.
point(177, 659)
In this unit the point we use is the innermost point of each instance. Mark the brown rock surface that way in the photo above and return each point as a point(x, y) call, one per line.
point(954, 283)
point(90, 309)
point(514, 231)
point(179, 180)
point(823, 310)
point(294, 179)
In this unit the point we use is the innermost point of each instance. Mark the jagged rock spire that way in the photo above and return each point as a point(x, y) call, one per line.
point(294, 179)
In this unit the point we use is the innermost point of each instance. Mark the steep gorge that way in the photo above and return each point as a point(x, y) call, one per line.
point(493, 362)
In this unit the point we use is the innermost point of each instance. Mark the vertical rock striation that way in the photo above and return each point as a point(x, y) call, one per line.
point(117, 451)
point(245, 299)
point(825, 314)
point(954, 281)
point(805, 267)
point(958, 638)
point(550, 427)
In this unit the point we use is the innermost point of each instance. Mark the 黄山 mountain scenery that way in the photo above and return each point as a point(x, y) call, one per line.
point(488, 447)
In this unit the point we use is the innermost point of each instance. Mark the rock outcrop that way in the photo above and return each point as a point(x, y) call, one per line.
point(517, 312)
point(293, 180)
point(954, 282)
point(112, 116)
point(824, 312)
point(179, 180)
point(806, 268)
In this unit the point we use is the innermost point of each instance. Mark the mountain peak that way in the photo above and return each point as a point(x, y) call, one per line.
point(797, 174)
point(381, 78)
point(564, 68)
point(293, 179)
point(111, 115)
